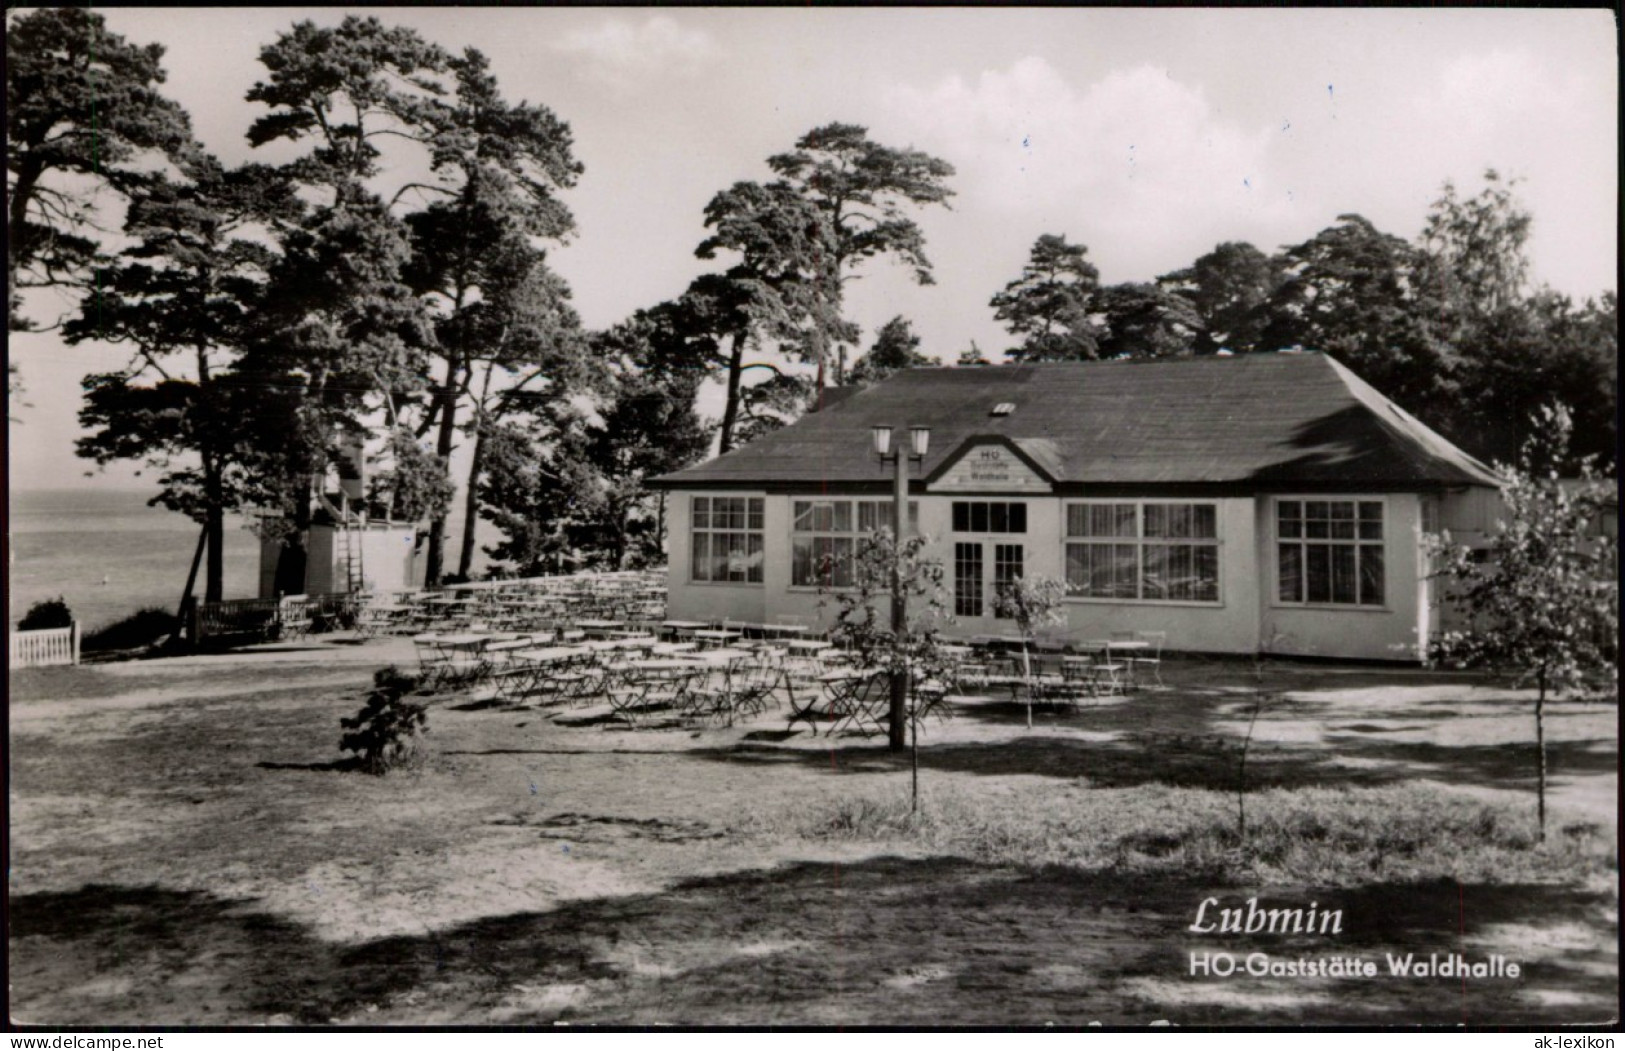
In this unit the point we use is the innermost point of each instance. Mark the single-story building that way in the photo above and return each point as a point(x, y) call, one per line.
point(1267, 503)
point(349, 547)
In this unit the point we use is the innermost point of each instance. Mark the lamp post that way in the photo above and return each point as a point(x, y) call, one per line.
point(919, 440)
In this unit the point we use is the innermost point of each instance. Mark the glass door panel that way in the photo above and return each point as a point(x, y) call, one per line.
point(968, 579)
point(1007, 566)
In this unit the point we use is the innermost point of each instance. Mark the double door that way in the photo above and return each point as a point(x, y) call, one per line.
point(982, 568)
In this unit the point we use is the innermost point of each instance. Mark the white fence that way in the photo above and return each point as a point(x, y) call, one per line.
point(32, 649)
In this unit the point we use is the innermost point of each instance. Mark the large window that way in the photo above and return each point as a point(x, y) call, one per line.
point(1329, 552)
point(727, 539)
point(823, 533)
point(1142, 552)
point(976, 516)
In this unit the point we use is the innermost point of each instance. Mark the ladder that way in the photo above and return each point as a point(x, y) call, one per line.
point(351, 548)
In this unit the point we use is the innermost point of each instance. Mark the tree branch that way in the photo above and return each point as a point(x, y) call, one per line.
point(419, 186)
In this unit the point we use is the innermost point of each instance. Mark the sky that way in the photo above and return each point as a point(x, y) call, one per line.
point(1149, 135)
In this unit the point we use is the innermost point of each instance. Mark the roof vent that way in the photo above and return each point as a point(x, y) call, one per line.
point(1004, 408)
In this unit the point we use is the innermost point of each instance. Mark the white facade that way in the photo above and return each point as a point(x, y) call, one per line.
point(381, 555)
point(1240, 607)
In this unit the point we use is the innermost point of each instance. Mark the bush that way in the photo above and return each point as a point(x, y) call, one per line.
point(381, 733)
point(141, 628)
point(50, 613)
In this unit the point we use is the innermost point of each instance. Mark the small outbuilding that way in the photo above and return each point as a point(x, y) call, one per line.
point(1269, 503)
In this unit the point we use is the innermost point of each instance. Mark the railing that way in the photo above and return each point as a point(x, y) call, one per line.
point(36, 649)
point(251, 618)
point(265, 620)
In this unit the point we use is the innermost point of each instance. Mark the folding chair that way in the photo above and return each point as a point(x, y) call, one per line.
point(293, 617)
point(1157, 639)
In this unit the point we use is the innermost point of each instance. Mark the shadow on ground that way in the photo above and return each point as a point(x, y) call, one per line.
point(1186, 739)
point(886, 941)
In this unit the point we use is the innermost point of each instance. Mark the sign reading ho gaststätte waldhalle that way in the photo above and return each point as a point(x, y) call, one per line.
point(989, 466)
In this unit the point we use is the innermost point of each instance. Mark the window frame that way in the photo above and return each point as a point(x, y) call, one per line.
point(988, 515)
point(850, 535)
point(755, 507)
point(1006, 571)
point(1140, 543)
point(969, 598)
point(1356, 542)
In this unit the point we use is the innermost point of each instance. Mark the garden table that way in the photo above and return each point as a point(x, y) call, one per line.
point(450, 659)
point(861, 701)
point(460, 643)
point(376, 617)
point(679, 628)
point(633, 642)
point(828, 699)
point(1114, 661)
point(541, 666)
point(723, 655)
point(654, 684)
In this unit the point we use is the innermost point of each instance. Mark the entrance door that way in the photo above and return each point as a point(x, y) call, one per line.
point(975, 594)
point(991, 525)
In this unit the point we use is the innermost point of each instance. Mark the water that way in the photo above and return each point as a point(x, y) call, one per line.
point(65, 542)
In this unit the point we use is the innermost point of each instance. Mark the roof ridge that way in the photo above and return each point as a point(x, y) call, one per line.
point(1407, 426)
point(1283, 352)
point(1302, 417)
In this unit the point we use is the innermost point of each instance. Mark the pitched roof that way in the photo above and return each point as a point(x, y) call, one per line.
point(1267, 419)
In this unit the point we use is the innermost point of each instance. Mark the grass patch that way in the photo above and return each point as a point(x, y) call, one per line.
point(1326, 836)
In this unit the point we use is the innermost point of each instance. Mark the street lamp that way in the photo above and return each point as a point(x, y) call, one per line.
point(919, 441)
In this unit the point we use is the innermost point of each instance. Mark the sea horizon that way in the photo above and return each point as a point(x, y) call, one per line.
point(107, 554)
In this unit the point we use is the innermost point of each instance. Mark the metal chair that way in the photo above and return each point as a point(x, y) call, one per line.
point(1157, 639)
point(293, 617)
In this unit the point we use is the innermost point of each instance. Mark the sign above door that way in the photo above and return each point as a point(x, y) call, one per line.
point(988, 465)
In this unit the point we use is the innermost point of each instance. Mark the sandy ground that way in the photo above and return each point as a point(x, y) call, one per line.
point(186, 849)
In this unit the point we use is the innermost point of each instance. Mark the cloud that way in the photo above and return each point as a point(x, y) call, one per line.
point(1552, 127)
point(625, 55)
point(1137, 164)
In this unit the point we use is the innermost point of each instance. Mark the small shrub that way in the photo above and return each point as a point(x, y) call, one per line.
point(382, 733)
point(49, 613)
point(141, 628)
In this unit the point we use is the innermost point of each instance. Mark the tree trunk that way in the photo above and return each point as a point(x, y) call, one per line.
point(471, 503)
point(730, 407)
point(471, 499)
point(914, 759)
point(660, 522)
point(214, 495)
point(622, 515)
point(214, 524)
point(189, 601)
point(1027, 675)
point(435, 557)
point(1540, 747)
point(290, 566)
